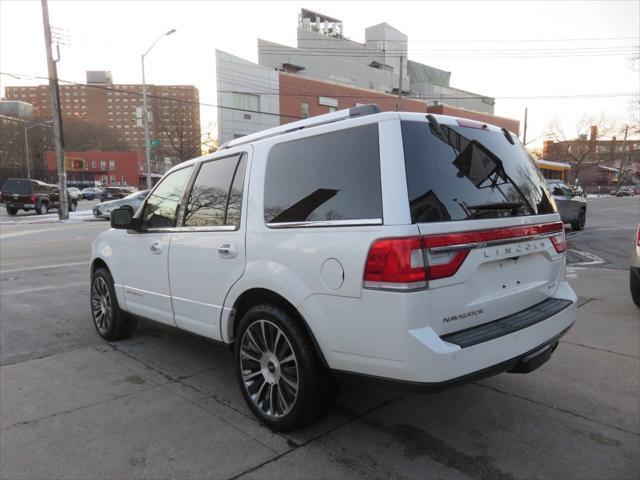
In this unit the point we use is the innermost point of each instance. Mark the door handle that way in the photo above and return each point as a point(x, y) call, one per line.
point(155, 248)
point(228, 250)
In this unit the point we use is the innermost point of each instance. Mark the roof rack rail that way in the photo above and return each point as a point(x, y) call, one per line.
point(358, 111)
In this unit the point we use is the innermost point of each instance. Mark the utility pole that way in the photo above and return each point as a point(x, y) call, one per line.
point(624, 147)
point(400, 87)
point(524, 135)
point(54, 92)
point(145, 123)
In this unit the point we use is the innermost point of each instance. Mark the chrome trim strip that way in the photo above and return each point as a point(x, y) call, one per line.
point(327, 223)
point(220, 228)
point(491, 243)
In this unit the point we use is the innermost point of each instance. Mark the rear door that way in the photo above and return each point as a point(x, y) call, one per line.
point(19, 192)
point(207, 254)
point(493, 241)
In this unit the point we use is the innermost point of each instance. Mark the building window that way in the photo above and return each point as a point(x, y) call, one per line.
point(304, 110)
point(332, 109)
point(246, 101)
point(113, 178)
point(93, 164)
point(103, 164)
point(112, 164)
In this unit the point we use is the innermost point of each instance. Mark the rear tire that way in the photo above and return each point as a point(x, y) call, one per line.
point(634, 285)
point(110, 321)
point(11, 211)
point(579, 224)
point(42, 209)
point(73, 206)
point(281, 377)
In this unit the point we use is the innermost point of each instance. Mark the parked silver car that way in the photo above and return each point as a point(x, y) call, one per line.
point(134, 200)
point(571, 206)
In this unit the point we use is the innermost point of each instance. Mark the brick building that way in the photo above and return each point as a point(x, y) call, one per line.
point(107, 168)
point(602, 158)
point(304, 97)
point(174, 110)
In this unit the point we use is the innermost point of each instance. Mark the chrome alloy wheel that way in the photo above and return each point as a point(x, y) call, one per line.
point(101, 305)
point(269, 368)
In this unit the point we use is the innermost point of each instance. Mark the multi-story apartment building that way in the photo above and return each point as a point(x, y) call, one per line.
point(595, 160)
point(174, 111)
point(327, 71)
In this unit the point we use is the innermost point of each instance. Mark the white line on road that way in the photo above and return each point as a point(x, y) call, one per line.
point(592, 259)
point(43, 267)
point(41, 289)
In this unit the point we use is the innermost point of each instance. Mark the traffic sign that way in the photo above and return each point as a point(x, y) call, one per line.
point(154, 143)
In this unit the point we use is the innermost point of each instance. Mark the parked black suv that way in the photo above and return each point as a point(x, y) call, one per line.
point(25, 194)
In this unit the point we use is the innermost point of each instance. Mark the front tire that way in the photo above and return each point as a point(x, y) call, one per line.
point(110, 321)
point(281, 376)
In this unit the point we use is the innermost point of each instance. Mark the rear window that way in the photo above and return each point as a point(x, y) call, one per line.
point(330, 177)
point(17, 186)
point(469, 173)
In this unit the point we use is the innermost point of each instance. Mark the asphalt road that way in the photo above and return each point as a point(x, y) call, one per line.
point(166, 404)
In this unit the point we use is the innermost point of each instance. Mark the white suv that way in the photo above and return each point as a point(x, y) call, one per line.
point(421, 249)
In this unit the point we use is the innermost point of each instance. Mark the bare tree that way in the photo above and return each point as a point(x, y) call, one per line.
point(184, 142)
point(11, 143)
point(578, 146)
point(208, 141)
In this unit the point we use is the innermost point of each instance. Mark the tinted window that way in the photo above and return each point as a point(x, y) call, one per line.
point(216, 196)
point(334, 176)
point(17, 186)
point(560, 189)
point(469, 173)
point(161, 209)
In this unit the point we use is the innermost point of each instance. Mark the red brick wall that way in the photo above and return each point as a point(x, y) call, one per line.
point(127, 164)
point(295, 89)
point(508, 123)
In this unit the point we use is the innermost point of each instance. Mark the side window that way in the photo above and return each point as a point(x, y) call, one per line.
point(333, 176)
point(216, 196)
point(161, 209)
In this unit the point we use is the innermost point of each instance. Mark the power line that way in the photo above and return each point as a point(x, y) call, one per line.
point(502, 40)
point(316, 93)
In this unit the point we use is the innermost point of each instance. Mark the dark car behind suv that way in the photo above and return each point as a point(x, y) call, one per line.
point(113, 193)
point(25, 194)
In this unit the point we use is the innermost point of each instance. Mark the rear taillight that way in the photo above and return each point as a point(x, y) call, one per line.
point(34, 199)
point(408, 263)
point(559, 241)
point(396, 264)
point(638, 237)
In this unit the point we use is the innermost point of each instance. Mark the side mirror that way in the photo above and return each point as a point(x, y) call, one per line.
point(122, 218)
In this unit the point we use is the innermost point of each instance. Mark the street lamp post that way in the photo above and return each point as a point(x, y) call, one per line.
point(26, 143)
point(145, 113)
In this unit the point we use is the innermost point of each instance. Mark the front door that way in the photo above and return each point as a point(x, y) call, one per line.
point(207, 252)
point(143, 258)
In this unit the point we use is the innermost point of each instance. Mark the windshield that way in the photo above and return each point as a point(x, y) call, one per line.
point(462, 173)
point(17, 186)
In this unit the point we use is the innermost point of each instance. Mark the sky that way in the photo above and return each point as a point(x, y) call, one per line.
point(468, 39)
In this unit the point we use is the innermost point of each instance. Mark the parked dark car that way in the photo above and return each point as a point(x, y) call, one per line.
point(91, 192)
point(25, 194)
point(624, 192)
point(113, 193)
point(571, 206)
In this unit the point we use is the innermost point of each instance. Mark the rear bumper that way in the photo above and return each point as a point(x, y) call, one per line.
point(20, 205)
point(525, 363)
point(416, 354)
